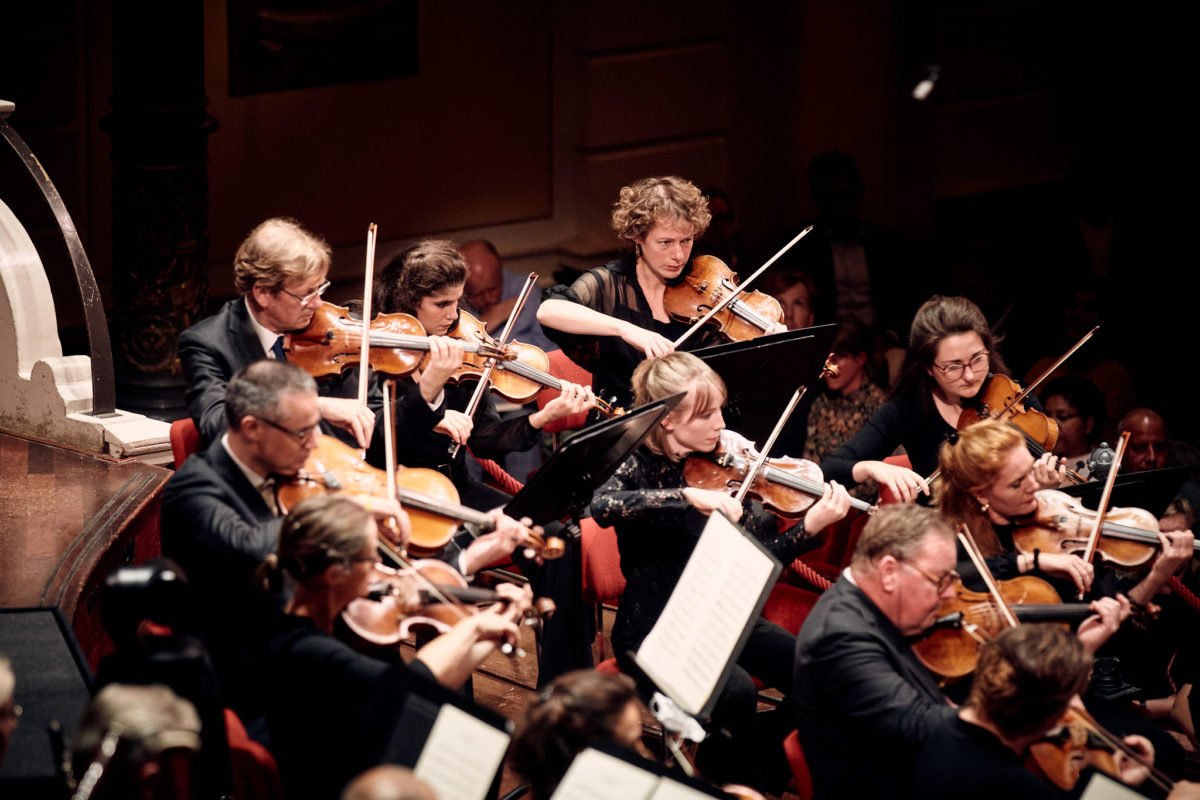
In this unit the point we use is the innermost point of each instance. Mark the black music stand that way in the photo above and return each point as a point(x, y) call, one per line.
point(761, 375)
point(562, 488)
point(1152, 490)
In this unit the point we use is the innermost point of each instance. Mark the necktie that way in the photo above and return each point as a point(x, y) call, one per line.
point(267, 490)
point(277, 349)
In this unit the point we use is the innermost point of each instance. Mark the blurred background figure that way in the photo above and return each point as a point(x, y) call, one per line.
point(10, 712)
point(849, 398)
point(492, 291)
point(388, 782)
point(154, 736)
point(796, 295)
point(721, 238)
point(1078, 407)
point(572, 712)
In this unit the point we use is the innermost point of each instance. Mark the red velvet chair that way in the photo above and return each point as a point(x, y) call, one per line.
point(603, 581)
point(185, 440)
point(795, 757)
point(885, 495)
point(564, 369)
point(255, 774)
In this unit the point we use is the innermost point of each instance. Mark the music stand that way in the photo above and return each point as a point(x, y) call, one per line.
point(402, 715)
point(1152, 490)
point(761, 374)
point(562, 489)
point(564, 485)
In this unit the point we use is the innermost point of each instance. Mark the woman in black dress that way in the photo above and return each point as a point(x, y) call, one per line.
point(612, 317)
point(658, 519)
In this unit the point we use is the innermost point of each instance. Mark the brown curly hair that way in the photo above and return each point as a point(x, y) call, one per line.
point(647, 202)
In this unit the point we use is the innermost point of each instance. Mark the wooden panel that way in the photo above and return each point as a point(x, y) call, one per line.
point(466, 142)
point(686, 96)
point(70, 518)
point(702, 161)
point(621, 24)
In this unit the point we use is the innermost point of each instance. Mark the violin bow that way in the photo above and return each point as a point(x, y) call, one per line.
point(761, 458)
point(1047, 373)
point(486, 377)
point(364, 355)
point(933, 476)
point(989, 580)
point(399, 556)
point(1090, 552)
point(742, 286)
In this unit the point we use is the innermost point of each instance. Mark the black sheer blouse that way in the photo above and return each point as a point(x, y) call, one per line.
point(613, 290)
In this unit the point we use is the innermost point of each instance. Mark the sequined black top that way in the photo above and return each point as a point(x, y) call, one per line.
point(656, 531)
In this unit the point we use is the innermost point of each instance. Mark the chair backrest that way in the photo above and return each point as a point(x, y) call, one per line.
point(885, 494)
point(788, 606)
point(185, 440)
point(795, 757)
point(564, 369)
point(255, 774)
point(603, 581)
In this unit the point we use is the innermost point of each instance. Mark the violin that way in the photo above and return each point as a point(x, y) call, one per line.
point(969, 619)
point(1075, 744)
point(429, 497)
point(998, 400)
point(424, 598)
point(332, 343)
point(520, 374)
point(1061, 524)
point(709, 282)
point(786, 486)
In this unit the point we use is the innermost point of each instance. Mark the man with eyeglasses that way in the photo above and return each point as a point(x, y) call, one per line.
point(220, 519)
point(280, 272)
point(864, 703)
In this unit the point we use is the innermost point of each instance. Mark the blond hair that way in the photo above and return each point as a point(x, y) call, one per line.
point(660, 378)
point(279, 250)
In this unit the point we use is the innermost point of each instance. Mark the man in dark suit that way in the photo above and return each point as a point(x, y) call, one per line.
point(864, 703)
point(279, 270)
point(219, 518)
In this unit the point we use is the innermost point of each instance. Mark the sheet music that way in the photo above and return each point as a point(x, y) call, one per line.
point(456, 739)
point(598, 776)
point(1102, 787)
point(668, 789)
point(688, 650)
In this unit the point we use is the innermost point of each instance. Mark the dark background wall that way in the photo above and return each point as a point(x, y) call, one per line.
point(521, 121)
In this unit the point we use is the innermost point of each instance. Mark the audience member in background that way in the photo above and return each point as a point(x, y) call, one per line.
point(1078, 408)
point(849, 399)
point(858, 268)
point(156, 736)
point(491, 292)
point(796, 295)
point(721, 239)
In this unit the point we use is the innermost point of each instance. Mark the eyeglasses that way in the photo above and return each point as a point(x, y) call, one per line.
point(978, 363)
point(308, 298)
point(943, 582)
point(375, 559)
point(300, 435)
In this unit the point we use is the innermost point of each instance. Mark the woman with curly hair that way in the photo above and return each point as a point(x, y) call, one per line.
point(612, 317)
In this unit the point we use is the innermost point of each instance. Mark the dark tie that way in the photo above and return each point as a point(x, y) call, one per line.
point(277, 349)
